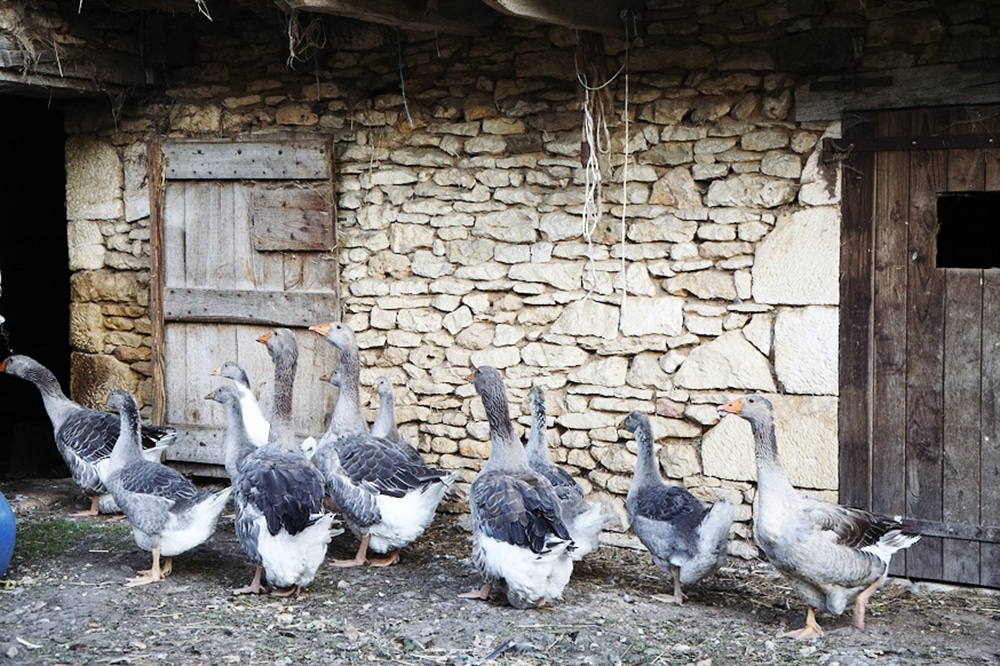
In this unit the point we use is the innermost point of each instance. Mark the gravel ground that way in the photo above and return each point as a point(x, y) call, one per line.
point(62, 602)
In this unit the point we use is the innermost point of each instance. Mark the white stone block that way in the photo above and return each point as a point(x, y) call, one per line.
point(553, 356)
point(798, 263)
point(588, 317)
point(602, 371)
point(498, 357)
point(728, 362)
point(94, 179)
point(86, 245)
point(806, 350)
point(662, 315)
point(562, 275)
point(758, 332)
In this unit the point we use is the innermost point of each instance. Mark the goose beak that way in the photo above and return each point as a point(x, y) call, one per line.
point(264, 338)
point(210, 396)
point(321, 329)
point(325, 377)
point(3, 365)
point(216, 371)
point(732, 407)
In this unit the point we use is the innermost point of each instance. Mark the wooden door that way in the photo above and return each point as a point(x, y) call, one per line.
point(920, 344)
point(243, 241)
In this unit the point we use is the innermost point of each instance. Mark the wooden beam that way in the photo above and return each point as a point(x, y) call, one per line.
point(458, 17)
point(603, 16)
point(935, 85)
point(265, 308)
point(201, 160)
point(895, 144)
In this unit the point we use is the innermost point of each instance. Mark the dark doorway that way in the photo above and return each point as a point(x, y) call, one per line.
point(34, 277)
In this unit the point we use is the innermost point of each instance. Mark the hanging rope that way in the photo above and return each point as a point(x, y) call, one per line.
point(595, 140)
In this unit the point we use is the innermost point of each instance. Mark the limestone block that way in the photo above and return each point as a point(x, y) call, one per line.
point(782, 165)
point(637, 280)
point(86, 245)
point(679, 460)
point(498, 357)
point(451, 286)
point(798, 263)
point(94, 179)
point(588, 317)
point(512, 254)
point(608, 371)
point(703, 414)
point(558, 226)
point(619, 459)
point(421, 157)
point(765, 139)
point(93, 376)
point(758, 332)
point(587, 420)
point(195, 119)
point(727, 362)
point(806, 431)
point(674, 428)
point(645, 371)
point(477, 335)
point(751, 191)
point(700, 325)
point(99, 286)
point(419, 321)
point(296, 114)
point(553, 356)
point(668, 154)
point(561, 275)
point(508, 226)
point(707, 285)
point(405, 238)
point(471, 252)
point(382, 319)
point(429, 265)
point(506, 335)
point(666, 228)
point(806, 350)
point(662, 315)
point(86, 327)
point(457, 320)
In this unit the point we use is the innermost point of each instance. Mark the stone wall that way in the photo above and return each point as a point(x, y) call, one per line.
point(712, 270)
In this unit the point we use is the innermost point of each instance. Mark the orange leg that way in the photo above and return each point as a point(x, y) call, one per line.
point(391, 558)
point(360, 558)
point(482, 593)
point(152, 575)
point(811, 630)
point(861, 602)
point(254, 587)
point(292, 590)
point(93, 510)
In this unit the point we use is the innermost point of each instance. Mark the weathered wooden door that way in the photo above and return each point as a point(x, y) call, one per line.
point(920, 343)
point(243, 241)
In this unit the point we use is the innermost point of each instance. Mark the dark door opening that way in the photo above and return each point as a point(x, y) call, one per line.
point(34, 278)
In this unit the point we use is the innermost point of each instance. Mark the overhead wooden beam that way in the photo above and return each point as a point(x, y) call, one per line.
point(601, 16)
point(457, 17)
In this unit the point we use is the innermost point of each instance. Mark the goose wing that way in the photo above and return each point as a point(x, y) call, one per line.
point(284, 487)
point(521, 510)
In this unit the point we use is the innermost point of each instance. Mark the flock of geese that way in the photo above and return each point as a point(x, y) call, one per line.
point(530, 518)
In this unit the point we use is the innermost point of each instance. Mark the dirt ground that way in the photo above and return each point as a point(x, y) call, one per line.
point(62, 602)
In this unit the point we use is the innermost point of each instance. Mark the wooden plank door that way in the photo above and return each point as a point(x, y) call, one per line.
point(244, 240)
point(919, 347)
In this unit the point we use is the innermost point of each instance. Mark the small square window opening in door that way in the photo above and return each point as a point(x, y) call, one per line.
point(968, 230)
